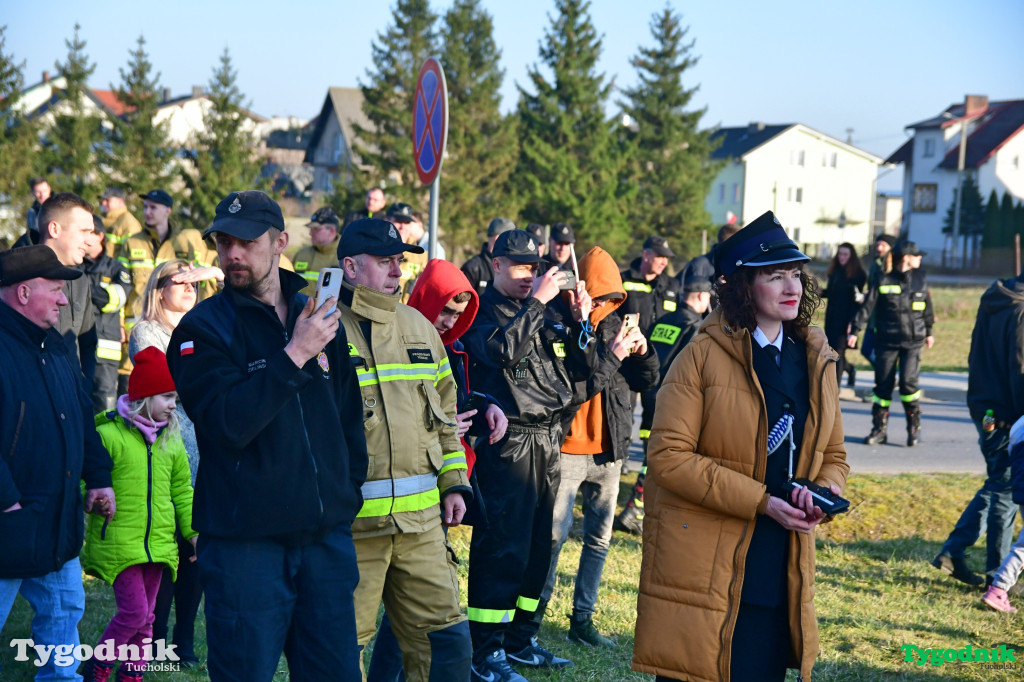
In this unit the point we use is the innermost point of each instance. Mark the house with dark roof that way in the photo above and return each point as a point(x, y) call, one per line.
point(330, 145)
point(992, 134)
point(821, 189)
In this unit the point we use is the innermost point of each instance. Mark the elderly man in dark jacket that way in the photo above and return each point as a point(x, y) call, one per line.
point(49, 445)
point(269, 384)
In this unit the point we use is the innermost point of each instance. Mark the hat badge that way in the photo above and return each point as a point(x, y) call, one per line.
point(235, 206)
point(392, 233)
point(530, 246)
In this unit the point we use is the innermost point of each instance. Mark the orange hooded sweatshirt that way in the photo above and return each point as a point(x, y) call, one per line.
point(589, 434)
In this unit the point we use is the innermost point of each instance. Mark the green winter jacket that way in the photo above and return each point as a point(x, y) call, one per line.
point(153, 488)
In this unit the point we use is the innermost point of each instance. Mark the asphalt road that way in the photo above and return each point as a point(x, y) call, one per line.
point(949, 441)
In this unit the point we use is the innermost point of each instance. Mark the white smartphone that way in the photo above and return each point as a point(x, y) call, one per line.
point(328, 285)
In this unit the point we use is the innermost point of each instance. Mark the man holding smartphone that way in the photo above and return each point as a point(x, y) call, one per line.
point(267, 380)
point(530, 364)
point(417, 477)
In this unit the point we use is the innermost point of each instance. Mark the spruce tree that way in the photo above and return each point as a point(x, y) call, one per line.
point(569, 166)
point(670, 163)
point(1006, 218)
point(72, 142)
point(17, 140)
point(140, 157)
point(481, 149)
point(224, 155)
point(992, 236)
point(385, 148)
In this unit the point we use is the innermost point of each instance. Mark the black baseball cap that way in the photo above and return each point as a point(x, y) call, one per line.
point(659, 245)
point(696, 284)
point(158, 196)
point(113, 192)
point(907, 249)
point(323, 216)
point(374, 236)
point(562, 232)
point(400, 213)
point(537, 230)
point(246, 215)
point(887, 238)
point(29, 262)
point(500, 226)
point(517, 245)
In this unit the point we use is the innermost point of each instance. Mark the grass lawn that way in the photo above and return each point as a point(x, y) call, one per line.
point(875, 593)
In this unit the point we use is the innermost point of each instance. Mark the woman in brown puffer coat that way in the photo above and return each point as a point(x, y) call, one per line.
point(727, 580)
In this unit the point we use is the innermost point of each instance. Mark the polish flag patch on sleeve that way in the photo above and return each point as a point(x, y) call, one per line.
point(188, 348)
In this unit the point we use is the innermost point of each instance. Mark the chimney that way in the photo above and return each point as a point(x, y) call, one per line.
point(975, 104)
point(167, 95)
point(755, 127)
point(46, 76)
point(197, 91)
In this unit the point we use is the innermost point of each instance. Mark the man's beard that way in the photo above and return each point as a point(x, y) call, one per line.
point(248, 284)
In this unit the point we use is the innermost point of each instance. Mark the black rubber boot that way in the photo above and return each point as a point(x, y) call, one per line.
point(879, 422)
point(913, 410)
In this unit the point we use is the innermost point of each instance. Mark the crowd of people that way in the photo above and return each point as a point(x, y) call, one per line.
point(297, 462)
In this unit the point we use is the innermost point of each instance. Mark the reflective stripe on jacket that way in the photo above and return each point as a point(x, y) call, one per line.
point(408, 392)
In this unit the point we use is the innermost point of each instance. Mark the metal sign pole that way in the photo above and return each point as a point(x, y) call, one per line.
point(435, 192)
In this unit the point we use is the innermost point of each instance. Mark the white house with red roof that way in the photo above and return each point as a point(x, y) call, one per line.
point(994, 159)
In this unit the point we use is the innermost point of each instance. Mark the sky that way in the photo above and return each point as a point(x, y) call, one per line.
point(875, 66)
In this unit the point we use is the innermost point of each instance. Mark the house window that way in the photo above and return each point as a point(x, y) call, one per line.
point(1016, 163)
point(721, 192)
point(796, 234)
point(800, 158)
point(799, 195)
point(925, 197)
point(835, 159)
point(337, 148)
point(789, 194)
point(735, 192)
point(824, 159)
point(929, 150)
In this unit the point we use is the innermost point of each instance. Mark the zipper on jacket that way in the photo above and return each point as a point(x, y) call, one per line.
point(149, 499)
point(309, 447)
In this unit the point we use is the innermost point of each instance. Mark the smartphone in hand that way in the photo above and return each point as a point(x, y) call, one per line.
point(631, 321)
point(328, 285)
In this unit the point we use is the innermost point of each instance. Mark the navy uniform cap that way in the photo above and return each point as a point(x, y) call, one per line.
point(762, 242)
point(246, 215)
point(907, 249)
point(659, 245)
point(375, 236)
point(517, 245)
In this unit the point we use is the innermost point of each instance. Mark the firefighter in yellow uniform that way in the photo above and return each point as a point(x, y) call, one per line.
point(401, 215)
point(117, 219)
point(417, 478)
point(322, 251)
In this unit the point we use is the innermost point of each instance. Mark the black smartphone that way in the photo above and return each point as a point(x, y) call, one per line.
point(823, 497)
point(475, 401)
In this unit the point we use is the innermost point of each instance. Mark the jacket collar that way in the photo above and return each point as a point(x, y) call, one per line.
point(369, 303)
point(329, 248)
point(27, 331)
point(737, 341)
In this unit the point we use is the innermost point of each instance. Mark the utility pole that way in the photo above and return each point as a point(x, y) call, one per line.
point(961, 160)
